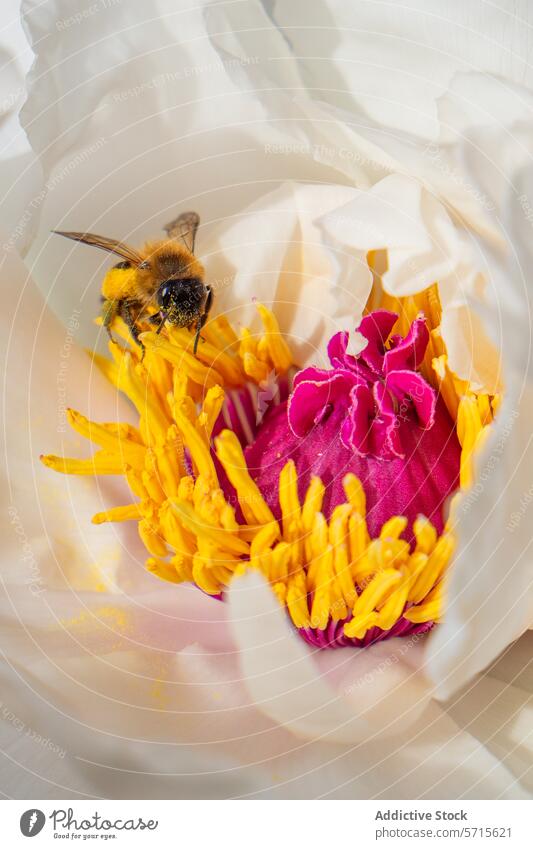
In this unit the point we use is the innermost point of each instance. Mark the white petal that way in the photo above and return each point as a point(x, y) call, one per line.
point(405, 746)
point(283, 678)
point(392, 68)
point(490, 600)
point(279, 256)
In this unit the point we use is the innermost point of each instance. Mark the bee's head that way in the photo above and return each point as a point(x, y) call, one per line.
point(182, 300)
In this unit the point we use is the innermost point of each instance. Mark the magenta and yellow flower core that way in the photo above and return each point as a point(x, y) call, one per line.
point(333, 483)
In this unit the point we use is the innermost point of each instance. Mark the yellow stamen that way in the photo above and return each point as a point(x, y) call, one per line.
point(297, 600)
point(101, 463)
point(432, 608)
point(338, 536)
point(118, 514)
point(229, 452)
point(393, 528)
point(355, 493)
point(437, 561)
point(151, 538)
point(226, 540)
point(200, 453)
point(312, 503)
point(288, 498)
point(425, 533)
point(163, 570)
point(181, 359)
point(277, 347)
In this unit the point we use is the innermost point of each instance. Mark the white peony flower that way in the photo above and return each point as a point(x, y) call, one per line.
point(326, 187)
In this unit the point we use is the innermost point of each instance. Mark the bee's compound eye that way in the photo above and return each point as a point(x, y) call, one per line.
point(164, 293)
point(124, 264)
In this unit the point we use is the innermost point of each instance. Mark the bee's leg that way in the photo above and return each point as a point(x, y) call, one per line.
point(158, 318)
point(109, 312)
point(203, 318)
point(125, 312)
point(164, 317)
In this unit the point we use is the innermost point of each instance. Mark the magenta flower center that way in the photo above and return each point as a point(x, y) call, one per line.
point(372, 414)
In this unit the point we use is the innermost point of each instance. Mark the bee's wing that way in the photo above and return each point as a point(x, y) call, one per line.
point(111, 245)
point(184, 227)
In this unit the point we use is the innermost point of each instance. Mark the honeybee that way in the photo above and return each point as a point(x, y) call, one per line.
point(164, 275)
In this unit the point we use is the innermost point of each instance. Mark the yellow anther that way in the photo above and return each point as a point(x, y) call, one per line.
point(431, 610)
point(219, 332)
point(179, 385)
point(376, 591)
point(358, 534)
point(170, 462)
point(186, 489)
point(248, 344)
point(288, 497)
point(255, 369)
point(118, 514)
point(425, 534)
point(165, 571)
point(391, 610)
point(393, 528)
point(281, 556)
point(263, 353)
point(107, 367)
point(384, 554)
point(176, 535)
point(200, 453)
point(196, 371)
point(355, 493)
point(357, 627)
point(416, 562)
point(338, 537)
point(280, 590)
point(115, 438)
point(319, 534)
point(469, 428)
point(212, 356)
point(201, 492)
point(135, 483)
point(154, 421)
point(278, 349)
point(297, 600)
point(253, 505)
point(485, 410)
point(203, 576)
point(151, 538)
point(313, 500)
point(226, 540)
point(264, 539)
point(211, 407)
point(320, 609)
point(437, 562)
point(183, 567)
point(101, 463)
point(152, 485)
